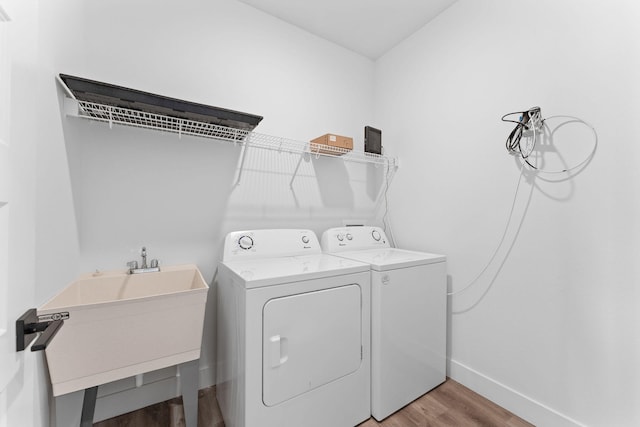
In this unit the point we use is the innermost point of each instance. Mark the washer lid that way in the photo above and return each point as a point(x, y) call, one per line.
point(392, 258)
point(261, 272)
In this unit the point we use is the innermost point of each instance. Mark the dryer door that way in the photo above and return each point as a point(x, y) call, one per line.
point(310, 340)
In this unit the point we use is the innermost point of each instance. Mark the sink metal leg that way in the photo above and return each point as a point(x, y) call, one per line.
point(189, 379)
point(88, 406)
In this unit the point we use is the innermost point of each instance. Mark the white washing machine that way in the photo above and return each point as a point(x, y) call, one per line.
point(408, 315)
point(293, 344)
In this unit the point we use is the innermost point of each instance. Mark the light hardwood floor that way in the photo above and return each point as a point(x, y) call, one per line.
point(450, 404)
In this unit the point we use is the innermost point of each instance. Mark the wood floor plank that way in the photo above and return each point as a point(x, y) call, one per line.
point(517, 422)
point(449, 405)
point(170, 414)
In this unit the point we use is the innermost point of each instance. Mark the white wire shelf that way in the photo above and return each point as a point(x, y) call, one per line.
point(141, 119)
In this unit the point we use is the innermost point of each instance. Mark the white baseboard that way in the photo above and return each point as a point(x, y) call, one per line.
point(130, 400)
point(149, 394)
point(120, 398)
point(510, 399)
point(207, 377)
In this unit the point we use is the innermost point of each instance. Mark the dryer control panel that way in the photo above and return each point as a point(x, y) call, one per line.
point(269, 243)
point(353, 238)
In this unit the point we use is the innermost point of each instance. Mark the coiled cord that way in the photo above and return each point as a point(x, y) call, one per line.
point(528, 120)
point(532, 120)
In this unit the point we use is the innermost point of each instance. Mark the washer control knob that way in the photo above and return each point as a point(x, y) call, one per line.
point(340, 237)
point(349, 236)
point(376, 235)
point(305, 239)
point(245, 242)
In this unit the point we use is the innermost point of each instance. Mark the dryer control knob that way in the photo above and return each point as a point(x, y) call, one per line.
point(376, 235)
point(340, 237)
point(349, 236)
point(305, 239)
point(245, 242)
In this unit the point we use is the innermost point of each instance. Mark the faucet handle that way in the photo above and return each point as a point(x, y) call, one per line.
point(154, 263)
point(132, 265)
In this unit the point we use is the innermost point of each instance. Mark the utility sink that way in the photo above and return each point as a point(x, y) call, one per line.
point(120, 325)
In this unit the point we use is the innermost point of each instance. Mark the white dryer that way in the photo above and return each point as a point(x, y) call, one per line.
point(408, 315)
point(293, 344)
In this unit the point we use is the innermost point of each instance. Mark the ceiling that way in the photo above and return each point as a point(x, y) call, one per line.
point(368, 27)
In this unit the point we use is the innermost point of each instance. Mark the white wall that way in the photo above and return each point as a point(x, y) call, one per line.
point(131, 187)
point(20, 400)
point(553, 333)
point(44, 237)
point(180, 191)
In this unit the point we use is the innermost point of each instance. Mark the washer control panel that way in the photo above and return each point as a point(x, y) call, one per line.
point(353, 238)
point(269, 243)
point(245, 242)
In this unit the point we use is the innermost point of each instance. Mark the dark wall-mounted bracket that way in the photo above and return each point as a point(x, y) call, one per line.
point(28, 325)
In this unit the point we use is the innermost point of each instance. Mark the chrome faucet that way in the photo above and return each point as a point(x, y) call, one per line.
point(144, 257)
point(133, 265)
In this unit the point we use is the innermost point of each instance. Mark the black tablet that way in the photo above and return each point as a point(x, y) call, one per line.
point(372, 140)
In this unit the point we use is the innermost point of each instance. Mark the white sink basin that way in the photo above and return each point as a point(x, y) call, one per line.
point(122, 325)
